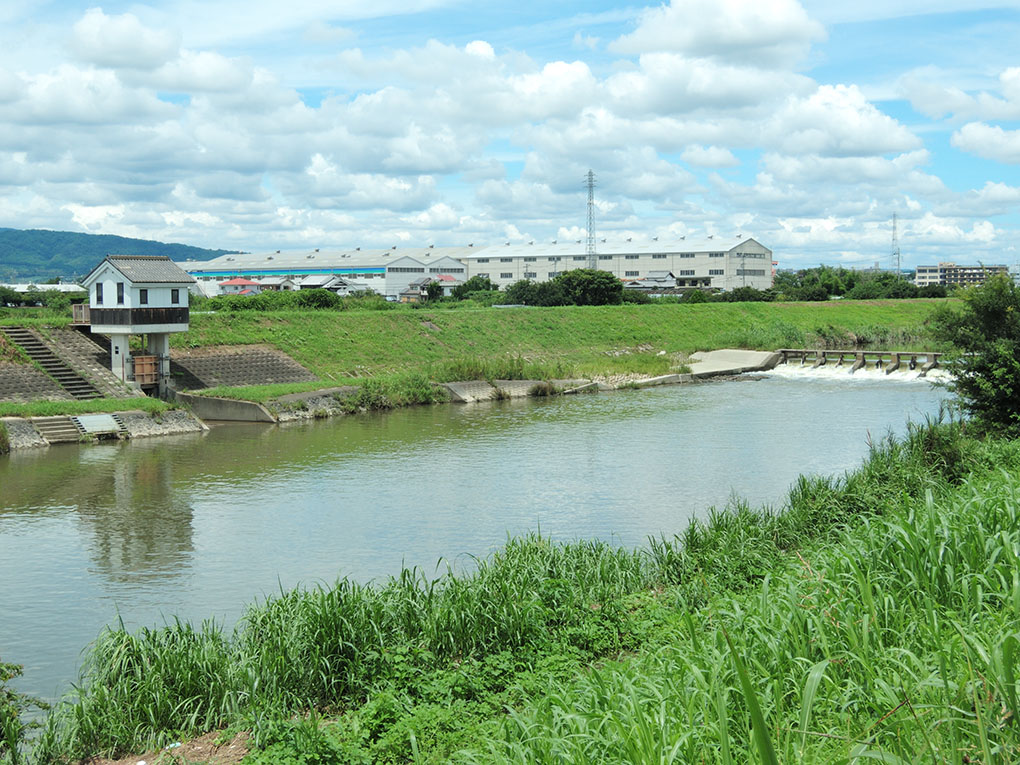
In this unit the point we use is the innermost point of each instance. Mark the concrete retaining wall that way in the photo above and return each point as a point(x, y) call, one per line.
point(227, 409)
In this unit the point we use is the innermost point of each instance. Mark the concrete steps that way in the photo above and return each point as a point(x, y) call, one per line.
point(57, 430)
point(41, 354)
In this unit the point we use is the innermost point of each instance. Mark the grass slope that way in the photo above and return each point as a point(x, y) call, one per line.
point(571, 340)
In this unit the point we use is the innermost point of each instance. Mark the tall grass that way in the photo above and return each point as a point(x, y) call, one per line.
point(896, 644)
point(333, 648)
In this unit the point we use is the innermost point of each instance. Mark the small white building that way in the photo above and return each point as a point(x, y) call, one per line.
point(139, 295)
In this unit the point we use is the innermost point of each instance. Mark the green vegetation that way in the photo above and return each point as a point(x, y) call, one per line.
point(874, 617)
point(5, 442)
point(985, 332)
point(14, 707)
point(824, 282)
point(568, 340)
point(92, 406)
point(34, 255)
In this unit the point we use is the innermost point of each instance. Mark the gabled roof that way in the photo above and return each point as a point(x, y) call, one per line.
point(145, 269)
point(239, 281)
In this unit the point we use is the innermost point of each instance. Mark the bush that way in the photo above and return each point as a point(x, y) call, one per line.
point(986, 367)
point(587, 286)
point(633, 296)
point(13, 707)
point(474, 284)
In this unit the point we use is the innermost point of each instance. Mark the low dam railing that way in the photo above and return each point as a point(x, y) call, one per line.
point(890, 361)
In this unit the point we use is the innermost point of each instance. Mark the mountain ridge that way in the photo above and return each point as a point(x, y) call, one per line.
point(41, 254)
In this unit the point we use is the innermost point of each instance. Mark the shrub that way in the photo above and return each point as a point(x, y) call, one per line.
point(474, 284)
point(586, 286)
point(13, 707)
point(986, 367)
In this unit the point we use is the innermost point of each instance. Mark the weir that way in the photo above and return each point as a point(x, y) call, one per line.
point(889, 361)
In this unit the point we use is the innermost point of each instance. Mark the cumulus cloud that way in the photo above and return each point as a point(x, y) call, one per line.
point(766, 32)
point(837, 120)
point(122, 42)
point(989, 141)
point(709, 156)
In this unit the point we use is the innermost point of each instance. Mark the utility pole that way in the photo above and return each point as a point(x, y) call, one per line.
point(593, 261)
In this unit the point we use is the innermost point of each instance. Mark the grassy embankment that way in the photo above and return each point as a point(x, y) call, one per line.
point(396, 354)
point(546, 343)
point(874, 617)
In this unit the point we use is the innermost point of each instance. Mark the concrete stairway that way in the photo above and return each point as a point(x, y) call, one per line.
point(57, 430)
point(39, 352)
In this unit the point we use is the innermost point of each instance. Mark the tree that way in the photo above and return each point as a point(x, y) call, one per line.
point(588, 286)
point(474, 284)
point(986, 366)
point(433, 291)
point(521, 292)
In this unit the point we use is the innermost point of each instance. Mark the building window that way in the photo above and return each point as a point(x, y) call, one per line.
point(716, 254)
point(99, 293)
point(143, 297)
point(506, 276)
point(530, 275)
point(482, 260)
point(482, 276)
point(580, 257)
point(553, 258)
point(506, 260)
point(175, 296)
point(530, 260)
point(120, 293)
point(750, 272)
point(685, 272)
point(446, 270)
point(716, 271)
point(659, 256)
point(404, 271)
point(605, 257)
point(552, 274)
point(631, 257)
point(686, 254)
point(631, 273)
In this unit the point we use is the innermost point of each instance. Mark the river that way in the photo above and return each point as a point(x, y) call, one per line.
point(198, 526)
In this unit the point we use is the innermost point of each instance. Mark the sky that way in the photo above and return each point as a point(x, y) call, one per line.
point(322, 123)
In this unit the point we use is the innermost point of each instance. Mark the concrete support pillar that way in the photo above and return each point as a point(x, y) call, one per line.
point(158, 345)
point(120, 357)
point(819, 359)
point(894, 363)
point(859, 363)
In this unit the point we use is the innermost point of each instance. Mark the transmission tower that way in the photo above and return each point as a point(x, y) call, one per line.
point(896, 260)
point(593, 261)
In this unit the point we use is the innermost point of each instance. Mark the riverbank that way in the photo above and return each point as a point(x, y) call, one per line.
point(430, 662)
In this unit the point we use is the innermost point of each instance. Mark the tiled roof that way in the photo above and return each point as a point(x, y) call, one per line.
point(150, 269)
point(238, 281)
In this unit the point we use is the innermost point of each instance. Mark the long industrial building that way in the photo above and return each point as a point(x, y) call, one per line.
point(723, 263)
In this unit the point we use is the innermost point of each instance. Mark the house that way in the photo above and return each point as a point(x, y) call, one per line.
point(655, 282)
point(277, 284)
point(240, 286)
point(138, 295)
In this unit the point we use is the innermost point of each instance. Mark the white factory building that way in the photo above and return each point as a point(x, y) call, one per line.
point(722, 263)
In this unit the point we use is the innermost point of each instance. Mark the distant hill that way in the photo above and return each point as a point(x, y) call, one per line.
point(38, 255)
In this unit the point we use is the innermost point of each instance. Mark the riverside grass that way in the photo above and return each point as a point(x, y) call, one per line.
point(397, 347)
point(570, 339)
point(875, 618)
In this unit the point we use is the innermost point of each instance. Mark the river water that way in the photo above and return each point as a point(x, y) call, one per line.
point(198, 526)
